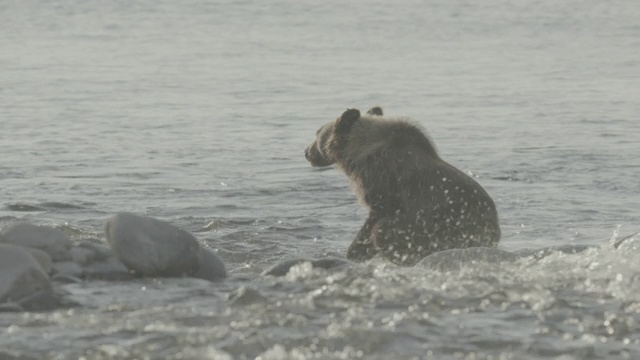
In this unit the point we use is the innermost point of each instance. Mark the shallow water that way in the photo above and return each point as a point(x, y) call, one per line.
point(198, 113)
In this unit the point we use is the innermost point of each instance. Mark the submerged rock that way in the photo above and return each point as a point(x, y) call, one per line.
point(150, 247)
point(628, 242)
point(454, 259)
point(23, 280)
point(245, 296)
point(544, 252)
point(50, 240)
point(282, 268)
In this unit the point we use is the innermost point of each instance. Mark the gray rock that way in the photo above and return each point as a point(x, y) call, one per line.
point(85, 253)
point(631, 241)
point(43, 259)
point(150, 247)
point(454, 259)
point(50, 240)
point(65, 279)
point(245, 296)
point(282, 268)
point(82, 255)
point(43, 300)
point(107, 269)
point(544, 252)
point(67, 268)
point(10, 307)
point(92, 261)
point(22, 279)
point(210, 267)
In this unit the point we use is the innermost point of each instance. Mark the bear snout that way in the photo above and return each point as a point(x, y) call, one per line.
point(315, 157)
point(306, 154)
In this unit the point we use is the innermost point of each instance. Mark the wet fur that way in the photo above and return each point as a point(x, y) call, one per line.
point(418, 203)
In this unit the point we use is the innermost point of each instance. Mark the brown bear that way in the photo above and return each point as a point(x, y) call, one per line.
point(418, 203)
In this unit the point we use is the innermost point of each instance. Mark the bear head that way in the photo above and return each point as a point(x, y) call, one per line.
point(324, 151)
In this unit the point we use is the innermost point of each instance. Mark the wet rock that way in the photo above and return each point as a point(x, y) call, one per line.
point(94, 261)
point(43, 259)
point(628, 242)
point(67, 268)
point(282, 268)
point(454, 259)
point(42, 300)
point(245, 296)
point(107, 269)
point(65, 279)
point(331, 263)
point(544, 252)
point(22, 279)
point(150, 247)
point(86, 253)
point(50, 240)
point(210, 267)
point(10, 307)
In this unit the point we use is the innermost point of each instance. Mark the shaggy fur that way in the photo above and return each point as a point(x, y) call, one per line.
point(418, 204)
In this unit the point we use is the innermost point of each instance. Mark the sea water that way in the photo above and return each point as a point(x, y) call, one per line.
point(198, 113)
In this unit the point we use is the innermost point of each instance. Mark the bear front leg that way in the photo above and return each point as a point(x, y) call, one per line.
point(362, 248)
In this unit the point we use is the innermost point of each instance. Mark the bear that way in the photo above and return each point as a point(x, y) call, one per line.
point(418, 203)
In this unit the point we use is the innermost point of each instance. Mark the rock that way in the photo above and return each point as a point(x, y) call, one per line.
point(43, 259)
point(86, 253)
point(52, 241)
point(245, 296)
point(331, 263)
point(65, 279)
point(22, 279)
point(630, 241)
point(544, 252)
point(42, 300)
point(150, 247)
point(454, 259)
point(10, 307)
point(67, 268)
point(210, 267)
point(281, 269)
point(107, 269)
point(92, 261)
point(81, 255)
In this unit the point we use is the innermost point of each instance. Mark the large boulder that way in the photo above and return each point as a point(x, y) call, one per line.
point(50, 240)
point(150, 247)
point(23, 280)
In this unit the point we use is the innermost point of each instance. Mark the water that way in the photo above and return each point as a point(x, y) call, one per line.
point(198, 113)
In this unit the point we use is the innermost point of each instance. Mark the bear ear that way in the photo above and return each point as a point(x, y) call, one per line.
point(347, 119)
point(376, 110)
